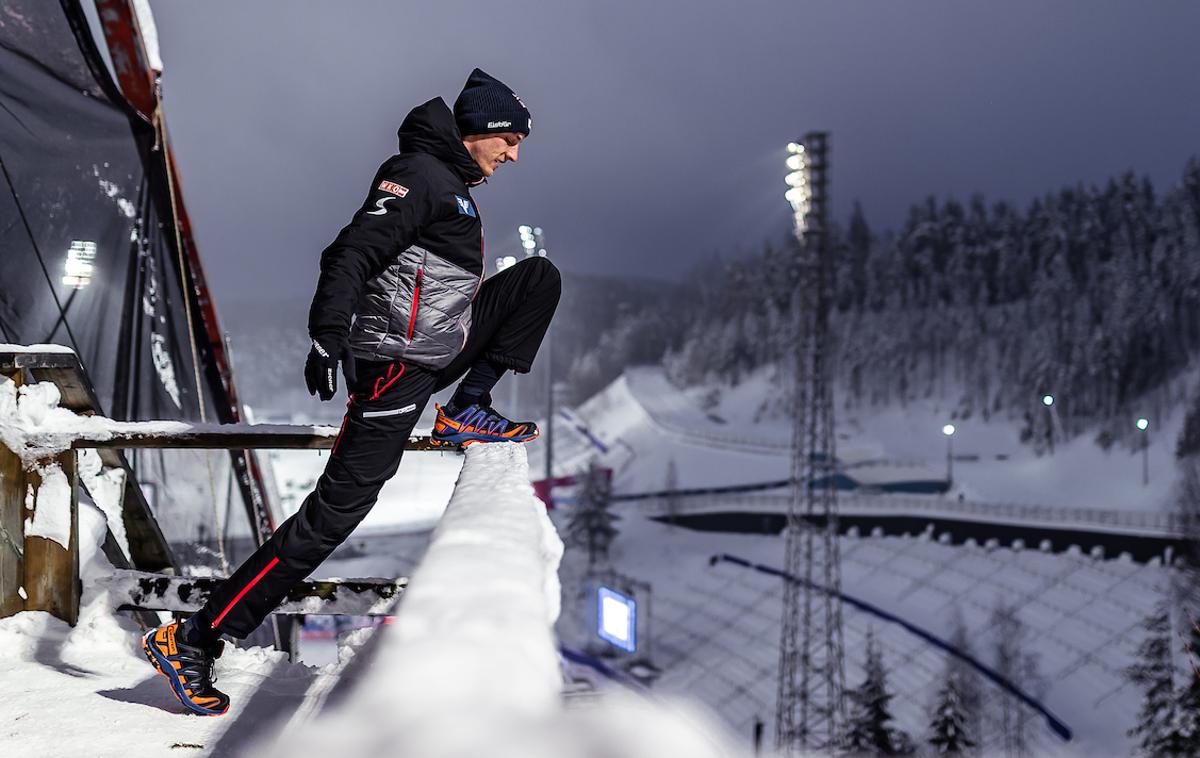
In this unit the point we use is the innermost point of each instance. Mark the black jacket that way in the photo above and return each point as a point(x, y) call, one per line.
point(410, 261)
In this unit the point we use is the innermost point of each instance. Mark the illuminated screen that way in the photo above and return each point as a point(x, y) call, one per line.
point(616, 619)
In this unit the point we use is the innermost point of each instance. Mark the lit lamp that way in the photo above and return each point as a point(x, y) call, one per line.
point(1048, 401)
point(948, 430)
point(798, 194)
point(1143, 425)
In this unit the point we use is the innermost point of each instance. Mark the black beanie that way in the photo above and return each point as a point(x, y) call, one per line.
point(487, 106)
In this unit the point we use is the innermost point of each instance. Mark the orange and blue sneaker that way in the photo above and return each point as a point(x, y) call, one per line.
point(478, 423)
point(188, 669)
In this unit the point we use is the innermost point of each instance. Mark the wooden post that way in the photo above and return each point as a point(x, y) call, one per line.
point(52, 571)
point(12, 530)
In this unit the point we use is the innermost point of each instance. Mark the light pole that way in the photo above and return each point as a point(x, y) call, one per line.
point(948, 430)
point(534, 242)
point(1048, 401)
point(1144, 425)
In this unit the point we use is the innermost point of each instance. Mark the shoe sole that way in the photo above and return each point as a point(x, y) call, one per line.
point(466, 438)
point(161, 664)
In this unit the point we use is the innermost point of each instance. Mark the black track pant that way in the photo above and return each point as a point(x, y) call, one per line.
point(510, 315)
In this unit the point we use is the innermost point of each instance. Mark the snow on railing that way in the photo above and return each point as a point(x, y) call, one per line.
point(471, 667)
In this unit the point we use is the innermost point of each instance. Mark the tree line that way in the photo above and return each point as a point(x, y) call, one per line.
point(1091, 294)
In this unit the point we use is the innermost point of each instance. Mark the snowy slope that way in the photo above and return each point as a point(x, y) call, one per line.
point(89, 691)
point(715, 628)
point(647, 423)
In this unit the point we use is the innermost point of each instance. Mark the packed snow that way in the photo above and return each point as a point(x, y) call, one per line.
point(35, 427)
point(50, 506)
point(470, 667)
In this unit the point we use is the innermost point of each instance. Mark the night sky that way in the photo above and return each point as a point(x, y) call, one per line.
point(659, 127)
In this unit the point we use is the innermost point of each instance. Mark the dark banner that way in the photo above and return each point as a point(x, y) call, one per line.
point(88, 255)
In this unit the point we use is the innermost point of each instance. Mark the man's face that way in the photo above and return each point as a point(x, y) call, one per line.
point(490, 150)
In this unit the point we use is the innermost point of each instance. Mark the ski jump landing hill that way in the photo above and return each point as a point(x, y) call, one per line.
point(732, 477)
point(714, 631)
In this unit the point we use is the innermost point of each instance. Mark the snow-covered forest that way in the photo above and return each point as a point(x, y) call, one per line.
point(1090, 293)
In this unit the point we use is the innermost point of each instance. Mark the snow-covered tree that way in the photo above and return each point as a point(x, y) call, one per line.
point(1013, 662)
point(592, 523)
point(1154, 673)
point(1187, 714)
point(948, 733)
point(970, 685)
point(868, 730)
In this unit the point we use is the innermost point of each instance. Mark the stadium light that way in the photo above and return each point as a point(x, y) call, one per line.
point(1047, 400)
point(78, 268)
point(616, 619)
point(505, 261)
point(799, 193)
point(533, 241)
point(1143, 424)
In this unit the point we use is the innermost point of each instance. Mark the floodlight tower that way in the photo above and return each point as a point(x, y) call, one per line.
point(533, 240)
point(810, 709)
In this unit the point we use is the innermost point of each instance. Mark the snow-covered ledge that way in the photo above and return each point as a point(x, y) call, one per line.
point(470, 668)
point(472, 648)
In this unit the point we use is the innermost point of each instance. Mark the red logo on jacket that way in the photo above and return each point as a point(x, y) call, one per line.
point(399, 190)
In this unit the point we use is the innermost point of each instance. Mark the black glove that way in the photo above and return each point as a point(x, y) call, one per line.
point(320, 370)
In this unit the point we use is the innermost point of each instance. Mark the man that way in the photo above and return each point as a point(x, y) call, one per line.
point(409, 268)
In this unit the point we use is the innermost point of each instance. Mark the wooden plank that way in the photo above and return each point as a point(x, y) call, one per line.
point(12, 526)
point(344, 597)
point(15, 361)
point(52, 571)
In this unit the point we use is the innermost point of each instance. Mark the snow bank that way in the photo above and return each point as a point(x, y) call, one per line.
point(88, 691)
point(471, 668)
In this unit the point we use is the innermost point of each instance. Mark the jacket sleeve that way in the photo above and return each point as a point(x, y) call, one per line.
point(399, 205)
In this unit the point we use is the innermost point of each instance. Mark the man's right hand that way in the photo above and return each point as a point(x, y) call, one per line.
point(320, 370)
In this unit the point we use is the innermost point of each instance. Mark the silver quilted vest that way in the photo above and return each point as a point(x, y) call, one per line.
point(418, 311)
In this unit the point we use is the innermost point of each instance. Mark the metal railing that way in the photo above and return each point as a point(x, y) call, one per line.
point(41, 573)
point(1140, 523)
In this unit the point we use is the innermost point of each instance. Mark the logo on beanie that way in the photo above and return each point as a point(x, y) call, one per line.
point(498, 124)
point(399, 190)
point(464, 206)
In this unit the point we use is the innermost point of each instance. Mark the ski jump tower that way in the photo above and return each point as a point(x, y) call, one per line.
point(809, 711)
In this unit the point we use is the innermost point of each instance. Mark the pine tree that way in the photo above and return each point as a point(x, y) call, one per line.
point(1184, 735)
point(592, 523)
point(1154, 673)
point(867, 729)
point(970, 686)
point(1014, 663)
point(948, 729)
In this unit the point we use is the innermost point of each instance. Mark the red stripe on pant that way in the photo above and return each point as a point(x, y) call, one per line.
point(245, 589)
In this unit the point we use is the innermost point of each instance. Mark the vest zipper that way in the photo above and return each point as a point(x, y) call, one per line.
point(412, 318)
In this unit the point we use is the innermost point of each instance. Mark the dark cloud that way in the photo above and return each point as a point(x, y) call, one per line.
point(658, 127)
